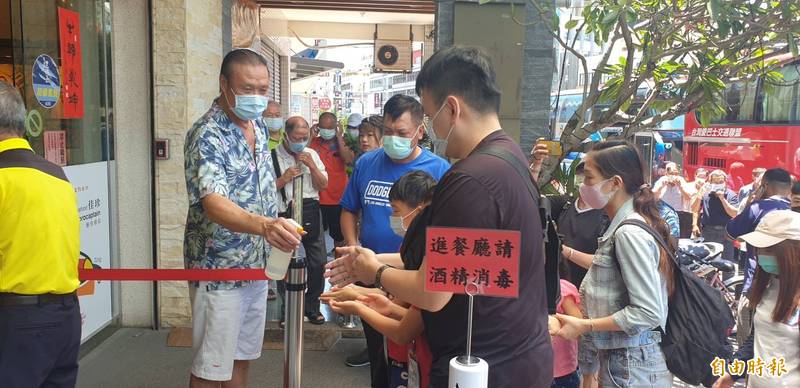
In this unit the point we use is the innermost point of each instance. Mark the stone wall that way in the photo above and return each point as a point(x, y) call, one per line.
point(187, 52)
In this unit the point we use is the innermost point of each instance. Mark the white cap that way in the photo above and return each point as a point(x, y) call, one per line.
point(355, 120)
point(775, 227)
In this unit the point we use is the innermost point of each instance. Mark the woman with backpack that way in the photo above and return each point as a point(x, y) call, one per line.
point(775, 338)
point(625, 293)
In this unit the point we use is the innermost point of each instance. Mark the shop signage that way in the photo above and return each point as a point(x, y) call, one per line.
point(325, 103)
point(90, 182)
point(69, 33)
point(34, 125)
point(55, 147)
point(46, 81)
point(458, 257)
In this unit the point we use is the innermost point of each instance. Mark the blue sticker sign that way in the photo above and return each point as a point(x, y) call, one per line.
point(46, 81)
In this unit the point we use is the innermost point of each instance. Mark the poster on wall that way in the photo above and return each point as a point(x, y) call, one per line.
point(69, 34)
point(91, 187)
point(55, 147)
point(314, 110)
point(46, 81)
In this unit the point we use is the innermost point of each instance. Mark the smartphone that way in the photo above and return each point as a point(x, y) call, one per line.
point(553, 147)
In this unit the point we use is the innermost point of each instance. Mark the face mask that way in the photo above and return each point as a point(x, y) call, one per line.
point(398, 147)
point(274, 124)
point(249, 106)
point(439, 145)
point(396, 223)
point(716, 187)
point(768, 263)
point(327, 134)
point(297, 147)
point(593, 196)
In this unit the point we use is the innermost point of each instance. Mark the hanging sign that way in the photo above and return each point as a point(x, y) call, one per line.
point(46, 81)
point(69, 33)
point(457, 257)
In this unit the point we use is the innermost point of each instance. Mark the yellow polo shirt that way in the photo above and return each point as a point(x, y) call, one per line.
point(39, 226)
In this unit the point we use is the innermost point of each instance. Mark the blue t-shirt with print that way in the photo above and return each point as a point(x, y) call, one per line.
point(746, 222)
point(368, 191)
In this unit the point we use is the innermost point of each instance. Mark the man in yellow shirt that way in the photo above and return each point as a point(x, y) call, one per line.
point(40, 321)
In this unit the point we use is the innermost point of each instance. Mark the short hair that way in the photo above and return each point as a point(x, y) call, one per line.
point(796, 188)
point(672, 165)
point(292, 123)
point(718, 173)
point(777, 178)
point(759, 171)
point(701, 170)
point(463, 71)
point(241, 56)
point(323, 114)
point(399, 104)
point(413, 188)
point(273, 103)
point(12, 111)
point(374, 121)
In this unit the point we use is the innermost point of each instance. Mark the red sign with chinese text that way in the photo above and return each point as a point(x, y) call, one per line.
point(457, 257)
point(69, 32)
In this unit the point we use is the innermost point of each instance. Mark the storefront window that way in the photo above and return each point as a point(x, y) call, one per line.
point(58, 54)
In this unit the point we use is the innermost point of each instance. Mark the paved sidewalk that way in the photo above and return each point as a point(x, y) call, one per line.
point(140, 358)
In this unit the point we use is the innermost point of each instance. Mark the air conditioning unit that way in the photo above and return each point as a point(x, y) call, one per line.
point(392, 56)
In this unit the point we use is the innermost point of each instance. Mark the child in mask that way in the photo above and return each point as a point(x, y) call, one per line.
point(399, 322)
point(776, 294)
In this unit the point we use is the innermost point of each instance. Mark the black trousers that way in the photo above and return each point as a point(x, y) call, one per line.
point(685, 221)
point(39, 344)
point(331, 215)
point(378, 367)
point(316, 258)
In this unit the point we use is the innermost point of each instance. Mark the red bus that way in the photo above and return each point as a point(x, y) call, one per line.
point(760, 128)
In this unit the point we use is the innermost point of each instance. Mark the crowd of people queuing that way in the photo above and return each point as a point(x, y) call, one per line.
point(371, 185)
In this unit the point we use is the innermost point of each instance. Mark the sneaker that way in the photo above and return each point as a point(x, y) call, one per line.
point(358, 360)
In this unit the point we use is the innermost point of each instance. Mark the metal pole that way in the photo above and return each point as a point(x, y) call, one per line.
point(295, 299)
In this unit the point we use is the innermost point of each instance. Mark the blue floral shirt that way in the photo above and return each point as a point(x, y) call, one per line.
point(218, 160)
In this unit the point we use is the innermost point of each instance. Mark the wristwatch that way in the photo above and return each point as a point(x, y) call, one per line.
point(378, 276)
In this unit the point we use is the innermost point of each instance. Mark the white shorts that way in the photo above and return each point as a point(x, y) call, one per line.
point(227, 325)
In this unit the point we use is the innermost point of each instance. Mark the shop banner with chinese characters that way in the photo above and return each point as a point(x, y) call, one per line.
point(91, 187)
point(69, 33)
point(457, 257)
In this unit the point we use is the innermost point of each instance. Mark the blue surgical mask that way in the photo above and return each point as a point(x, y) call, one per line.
point(249, 106)
point(274, 124)
point(769, 264)
point(398, 147)
point(297, 147)
point(327, 134)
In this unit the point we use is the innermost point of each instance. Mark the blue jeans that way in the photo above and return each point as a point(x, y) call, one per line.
point(571, 380)
point(634, 367)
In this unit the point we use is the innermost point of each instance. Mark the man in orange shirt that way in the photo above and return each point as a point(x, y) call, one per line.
point(336, 155)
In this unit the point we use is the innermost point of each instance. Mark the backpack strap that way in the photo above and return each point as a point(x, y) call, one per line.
point(649, 229)
point(519, 167)
point(278, 173)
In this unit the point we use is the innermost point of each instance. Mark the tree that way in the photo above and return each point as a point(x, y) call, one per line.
point(684, 52)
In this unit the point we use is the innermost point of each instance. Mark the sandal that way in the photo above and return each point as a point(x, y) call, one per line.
point(316, 318)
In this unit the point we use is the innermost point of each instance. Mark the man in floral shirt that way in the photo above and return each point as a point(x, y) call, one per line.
point(232, 221)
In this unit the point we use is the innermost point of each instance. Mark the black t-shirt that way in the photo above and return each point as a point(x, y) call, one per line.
point(578, 231)
point(483, 191)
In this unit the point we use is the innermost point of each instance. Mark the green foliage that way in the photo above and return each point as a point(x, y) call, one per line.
point(563, 181)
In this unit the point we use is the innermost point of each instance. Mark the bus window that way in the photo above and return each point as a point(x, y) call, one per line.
point(740, 101)
point(781, 100)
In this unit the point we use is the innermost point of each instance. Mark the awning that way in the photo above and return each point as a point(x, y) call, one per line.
point(401, 6)
point(307, 67)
